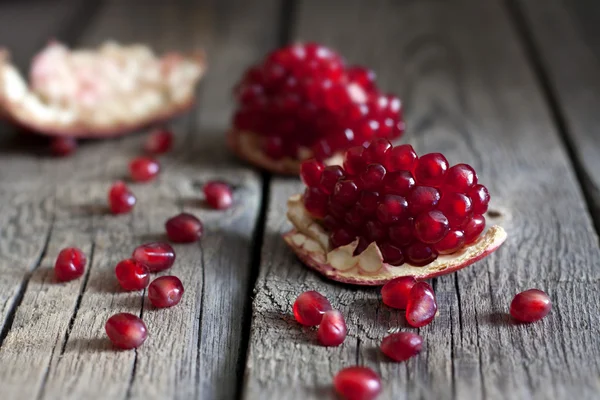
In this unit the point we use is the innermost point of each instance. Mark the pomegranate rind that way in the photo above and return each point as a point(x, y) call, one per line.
point(246, 146)
point(24, 107)
point(310, 241)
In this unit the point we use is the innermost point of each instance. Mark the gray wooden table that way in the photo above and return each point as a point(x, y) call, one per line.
point(511, 87)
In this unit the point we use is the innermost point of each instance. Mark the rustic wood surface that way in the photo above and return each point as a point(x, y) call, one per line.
point(508, 87)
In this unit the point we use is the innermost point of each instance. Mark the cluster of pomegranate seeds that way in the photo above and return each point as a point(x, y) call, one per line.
point(357, 383)
point(332, 329)
point(415, 208)
point(530, 305)
point(165, 291)
point(63, 146)
point(309, 308)
point(132, 275)
point(156, 256)
point(395, 293)
point(421, 306)
point(70, 264)
point(143, 169)
point(126, 331)
point(304, 96)
point(218, 195)
point(402, 345)
point(120, 198)
point(184, 228)
point(159, 142)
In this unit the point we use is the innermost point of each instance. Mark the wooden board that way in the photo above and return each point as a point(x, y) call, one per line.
point(470, 92)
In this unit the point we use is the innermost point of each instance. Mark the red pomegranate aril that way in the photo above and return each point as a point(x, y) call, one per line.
point(368, 203)
point(184, 228)
point(159, 142)
point(391, 254)
point(63, 146)
point(422, 198)
point(431, 169)
point(374, 231)
point(329, 178)
point(451, 243)
point(419, 254)
point(354, 162)
point(372, 177)
point(395, 293)
point(357, 383)
point(362, 76)
point(399, 182)
point(70, 264)
point(377, 150)
point(342, 237)
point(143, 169)
point(126, 331)
point(401, 158)
point(218, 195)
point(402, 234)
point(310, 172)
point(480, 198)
point(354, 218)
point(431, 226)
point(332, 329)
point(473, 228)
point(392, 209)
point(315, 202)
point(345, 192)
point(132, 274)
point(120, 198)
point(456, 207)
point(402, 345)
point(310, 307)
point(165, 291)
point(156, 256)
point(421, 306)
point(530, 305)
point(460, 178)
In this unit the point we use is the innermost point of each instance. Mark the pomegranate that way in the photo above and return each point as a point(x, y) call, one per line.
point(402, 345)
point(132, 275)
point(143, 169)
point(357, 383)
point(184, 228)
point(530, 305)
point(332, 329)
point(395, 293)
point(309, 308)
point(70, 264)
point(421, 306)
point(63, 146)
point(302, 101)
point(218, 195)
point(120, 198)
point(159, 142)
point(156, 256)
point(165, 291)
point(388, 213)
point(126, 331)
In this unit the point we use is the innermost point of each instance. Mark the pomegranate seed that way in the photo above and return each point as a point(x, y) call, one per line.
point(218, 195)
point(357, 383)
point(457, 207)
point(451, 243)
point(310, 307)
point(460, 178)
point(63, 146)
point(422, 198)
point(156, 256)
point(391, 254)
point(126, 331)
point(377, 150)
point(345, 192)
point(419, 254)
point(315, 202)
point(132, 275)
point(165, 291)
point(329, 178)
point(368, 203)
point(431, 169)
point(395, 293)
point(421, 306)
point(332, 329)
point(401, 234)
point(354, 162)
point(159, 142)
point(431, 226)
point(392, 209)
point(402, 345)
point(342, 237)
point(530, 305)
point(480, 198)
point(399, 182)
point(374, 231)
point(184, 228)
point(70, 264)
point(373, 176)
point(143, 169)
point(474, 228)
point(401, 158)
point(310, 172)
point(120, 198)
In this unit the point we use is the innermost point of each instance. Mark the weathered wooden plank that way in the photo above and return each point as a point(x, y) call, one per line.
point(469, 92)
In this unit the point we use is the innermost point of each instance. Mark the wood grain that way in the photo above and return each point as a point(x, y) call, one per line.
point(470, 92)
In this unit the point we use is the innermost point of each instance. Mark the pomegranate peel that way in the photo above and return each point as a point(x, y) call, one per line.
point(76, 100)
point(310, 241)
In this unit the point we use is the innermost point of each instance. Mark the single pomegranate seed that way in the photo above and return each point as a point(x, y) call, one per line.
point(368, 203)
point(332, 329)
point(401, 158)
point(392, 209)
point(63, 146)
point(530, 305)
point(391, 254)
point(354, 218)
point(422, 198)
point(474, 228)
point(132, 275)
point(373, 176)
point(399, 182)
point(126, 331)
point(354, 162)
point(357, 383)
point(156, 256)
point(421, 306)
point(374, 231)
point(159, 142)
point(431, 226)
point(402, 345)
point(342, 237)
point(451, 243)
point(120, 198)
point(377, 150)
point(218, 195)
point(401, 234)
point(143, 169)
point(460, 178)
point(480, 198)
point(310, 307)
point(457, 207)
point(310, 172)
point(315, 202)
point(395, 293)
point(329, 178)
point(431, 169)
point(184, 228)
point(419, 254)
point(345, 192)
point(165, 291)
point(70, 264)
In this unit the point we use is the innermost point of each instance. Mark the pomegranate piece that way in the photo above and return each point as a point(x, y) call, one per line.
point(132, 275)
point(120, 198)
point(63, 146)
point(310, 307)
point(165, 291)
point(395, 293)
point(156, 256)
point(332, 329)
point(218, 195)
point(159, 142)
point(357, 383)
point(421, 306)
point(402, 345)
point(70, 264)
point(143, 169)
point(184, 228)
point(530, 305)
point(126, 331)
